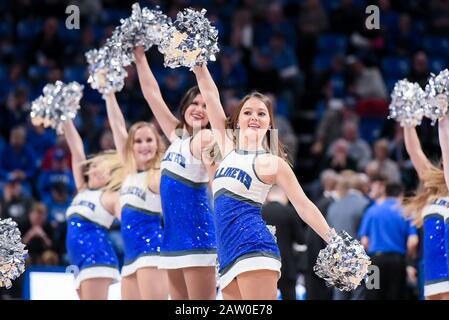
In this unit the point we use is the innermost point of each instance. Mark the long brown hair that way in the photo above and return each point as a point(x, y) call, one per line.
point(432, 186)
point(232, 121)
point(153, 165)
point(186, 101)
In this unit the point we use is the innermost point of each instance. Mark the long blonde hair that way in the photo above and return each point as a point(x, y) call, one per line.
point(154, 164)
point(432, 186)
point(110, 162)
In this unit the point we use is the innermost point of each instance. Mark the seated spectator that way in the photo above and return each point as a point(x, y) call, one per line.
point(47, 46)
point(439, 17)
point(346, 213)
point(37, 234)
point(58, 173)
point(15, 204)
point(420, 71)
point(340, 159)
point(405, 40)
point(365, 82)
point(16, 111)
point(347, 17)
point(57, 202)
point(40, 139)
point(358, 148)
point(17, 160)
point(329, 128)
point(382, 163)
point(233, 74)
point(263, 75)
point(387, 237)
point(49, 158)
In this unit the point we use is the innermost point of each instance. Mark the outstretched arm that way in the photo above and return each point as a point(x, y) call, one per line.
point(76, 147)
point(153, 96)
point(215, 112)
point(307, 211)
point(118, 124)
point(414, 150)
point(443, 133)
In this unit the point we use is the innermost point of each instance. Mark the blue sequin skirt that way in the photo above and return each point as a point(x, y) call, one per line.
point(142, 237)
point(436, 272)
point(189, 231)
point(89, 248)
point(244, 241)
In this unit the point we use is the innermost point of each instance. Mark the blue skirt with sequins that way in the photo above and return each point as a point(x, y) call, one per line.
point(436, 272)
point(189, 231)
point(243, 239)
point(142, 238)
point(88, 244)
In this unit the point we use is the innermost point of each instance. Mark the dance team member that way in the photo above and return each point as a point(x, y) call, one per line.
point(188, 248)
point(89, 217)
point(248, 255)
point(140, 150)
point(430, 206)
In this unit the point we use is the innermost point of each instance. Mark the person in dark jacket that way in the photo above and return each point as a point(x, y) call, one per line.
point(289, 230)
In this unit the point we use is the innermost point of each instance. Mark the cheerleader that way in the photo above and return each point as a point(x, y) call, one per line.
point(188, 249)
point(89, 217)
point(249, 259)
point(141, 151)
point(430, 205)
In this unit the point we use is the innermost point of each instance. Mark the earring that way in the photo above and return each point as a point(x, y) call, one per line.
point(237, 126)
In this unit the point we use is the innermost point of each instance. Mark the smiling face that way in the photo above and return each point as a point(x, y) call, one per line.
point(254, 119)
point(144, 147)
point(195, 115)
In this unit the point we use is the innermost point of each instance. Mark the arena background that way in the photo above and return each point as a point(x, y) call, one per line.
point(329, 75)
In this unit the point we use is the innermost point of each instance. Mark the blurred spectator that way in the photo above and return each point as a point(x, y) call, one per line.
point(264, 77)
point(15, 204)
point(40, 139)
point(316, 288)
point(364, 82)
point(61, 147)
point(47, 46)
point(106, 141)
point(340, 159)
point(439, 17)
point(16, 111)
point(329, 128)
point(420, 71)
point(358, 148)
point(405, 40)
point(242, 30)
point(347, 18)
point(382, 163)
point(17, 159)
point(57, 202)
point(14, 81)
point(286, 64)
point(346, 214)
point(233, 74)
point(38, 234)
point(59, 173)
point(387, 237)
point(289, 230)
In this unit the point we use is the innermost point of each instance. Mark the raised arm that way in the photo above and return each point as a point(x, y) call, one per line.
point(414, 150)
point(118, 124)
point(76, 147)
point(211, 96)
point(153, 96)
point(307, 211)
point(443, 133)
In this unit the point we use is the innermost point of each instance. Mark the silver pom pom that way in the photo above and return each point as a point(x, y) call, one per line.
point(407, 100)
point(437, 96)
point(12, 253)
point(190, 41)
point(272, 231)
point(58, 103)
point(343, 263)
point(107, 64)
